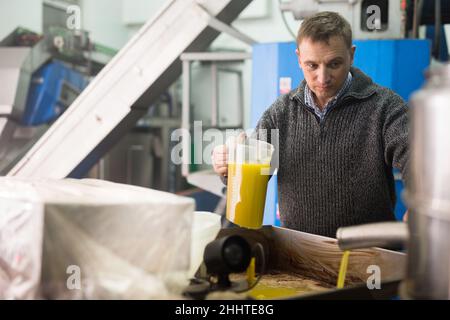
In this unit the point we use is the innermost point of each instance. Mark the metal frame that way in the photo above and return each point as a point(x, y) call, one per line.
point(240, 119)
point(226, 28)
point(214, 58)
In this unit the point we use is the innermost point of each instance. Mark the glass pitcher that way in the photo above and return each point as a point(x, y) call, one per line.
point(248, 175)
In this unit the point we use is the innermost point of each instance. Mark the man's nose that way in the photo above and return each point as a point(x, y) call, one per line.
point(323, 76)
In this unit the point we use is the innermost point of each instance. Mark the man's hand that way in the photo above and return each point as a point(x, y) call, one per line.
point(405, 216)
point(220, 160)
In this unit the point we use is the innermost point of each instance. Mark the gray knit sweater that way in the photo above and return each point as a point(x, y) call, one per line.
point(339, 172)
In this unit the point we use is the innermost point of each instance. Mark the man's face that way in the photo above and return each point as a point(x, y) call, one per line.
point(325, 65)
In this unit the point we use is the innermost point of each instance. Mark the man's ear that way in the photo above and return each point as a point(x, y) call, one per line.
point(352, 54)
point(297, 52)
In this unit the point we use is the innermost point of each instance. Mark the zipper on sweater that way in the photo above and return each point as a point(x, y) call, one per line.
point(320, 124)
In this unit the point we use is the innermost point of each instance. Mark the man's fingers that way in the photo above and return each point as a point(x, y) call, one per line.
point(220, 159)
point(222, 171)
point(220, 167)
point(220, 156)
point(221, 162)
point(221, 149)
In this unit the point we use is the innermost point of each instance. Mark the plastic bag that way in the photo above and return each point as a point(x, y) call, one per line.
point(90, 239)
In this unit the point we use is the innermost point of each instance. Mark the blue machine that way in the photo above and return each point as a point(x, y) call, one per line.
point(271, 62)
point(53, 87)
point(390, 63)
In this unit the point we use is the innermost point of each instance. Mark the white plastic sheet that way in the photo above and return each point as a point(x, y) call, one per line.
point(205, 228)
point(90, 239)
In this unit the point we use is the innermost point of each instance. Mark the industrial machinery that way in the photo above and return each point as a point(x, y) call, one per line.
point(43, 75)
point(17, 67)
point(122, 92)
point(226, 255)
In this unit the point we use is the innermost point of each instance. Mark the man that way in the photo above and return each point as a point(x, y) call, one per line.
point(340, 135)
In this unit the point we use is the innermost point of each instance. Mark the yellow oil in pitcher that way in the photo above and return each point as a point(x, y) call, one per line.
point(246, 194)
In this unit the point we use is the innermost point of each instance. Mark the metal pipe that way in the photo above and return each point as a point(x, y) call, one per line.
point(214, 96)
point(419, 17)
point(383, 234)
point(437, 28)
point(185, 116)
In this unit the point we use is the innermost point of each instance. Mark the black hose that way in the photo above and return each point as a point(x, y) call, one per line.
point(418, 7)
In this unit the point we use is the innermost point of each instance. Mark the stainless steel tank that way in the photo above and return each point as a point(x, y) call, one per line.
point(428, 191)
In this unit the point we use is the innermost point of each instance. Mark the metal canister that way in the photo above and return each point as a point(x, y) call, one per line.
point(428, 190)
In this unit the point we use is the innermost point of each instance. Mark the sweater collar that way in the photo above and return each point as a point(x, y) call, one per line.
point(361, 87)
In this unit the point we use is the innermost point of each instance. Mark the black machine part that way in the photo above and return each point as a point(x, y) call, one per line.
point(231, 254)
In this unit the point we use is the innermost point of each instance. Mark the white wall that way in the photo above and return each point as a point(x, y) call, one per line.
point(24, 13)
point(103, 18)
point(137, 12)
point(114, 22)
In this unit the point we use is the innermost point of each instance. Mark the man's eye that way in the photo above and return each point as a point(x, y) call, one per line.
point(312, 65)
point(335, 65)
